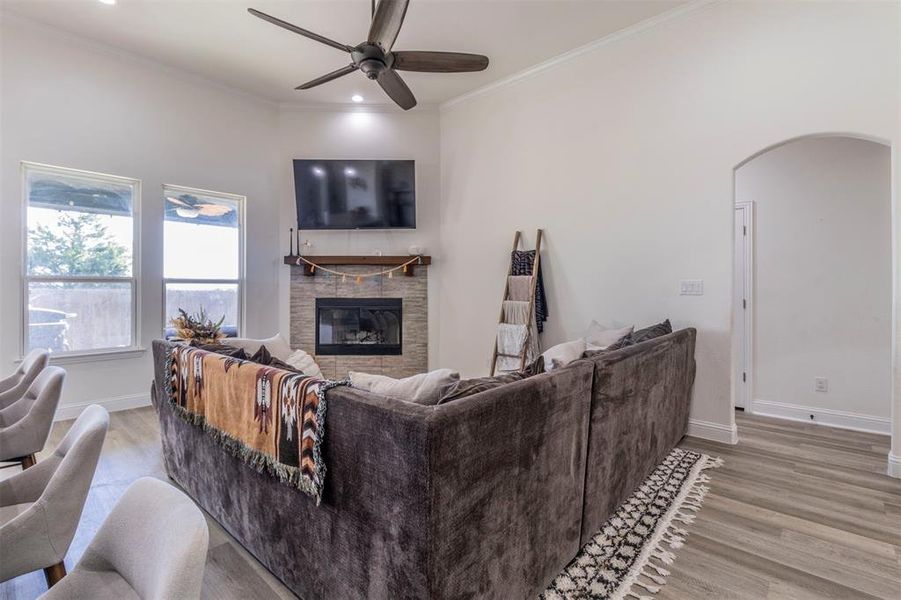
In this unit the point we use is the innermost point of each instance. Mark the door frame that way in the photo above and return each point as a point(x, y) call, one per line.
point(744, 372)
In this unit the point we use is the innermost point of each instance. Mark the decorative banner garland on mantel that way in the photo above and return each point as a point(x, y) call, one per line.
point(358, 276)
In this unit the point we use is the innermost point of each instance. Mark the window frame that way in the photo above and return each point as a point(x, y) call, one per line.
point(241, 202)
point(135, 347)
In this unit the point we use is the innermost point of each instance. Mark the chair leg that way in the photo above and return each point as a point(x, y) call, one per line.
point(28, 461)
point(54, 573)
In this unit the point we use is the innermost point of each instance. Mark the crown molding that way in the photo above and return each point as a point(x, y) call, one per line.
point(551, 63)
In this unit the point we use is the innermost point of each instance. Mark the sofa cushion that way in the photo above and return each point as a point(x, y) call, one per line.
point(225, 349)
point(649, 333)
point(302, 361)
point(470, 387)
point(598, 338)
point(423, 388)
point(622, 343)
point(563, 354)
point(276, 345)
point(263, 357)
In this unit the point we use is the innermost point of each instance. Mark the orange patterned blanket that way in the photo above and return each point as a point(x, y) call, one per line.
point(272, 419)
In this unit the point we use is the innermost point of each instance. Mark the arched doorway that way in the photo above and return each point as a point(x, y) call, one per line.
point(812, 326)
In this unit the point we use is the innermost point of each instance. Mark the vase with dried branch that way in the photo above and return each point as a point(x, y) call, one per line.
point(199, 327)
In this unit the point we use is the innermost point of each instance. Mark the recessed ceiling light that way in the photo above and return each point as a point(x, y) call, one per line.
point(110, 2)
point(355, 97)
point(318, 171)
point(350, 172)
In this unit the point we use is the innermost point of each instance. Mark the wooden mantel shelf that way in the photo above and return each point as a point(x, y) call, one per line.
point(372, 260)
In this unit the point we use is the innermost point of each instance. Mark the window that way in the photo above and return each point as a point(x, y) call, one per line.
point(203, 264)
point(81, 286)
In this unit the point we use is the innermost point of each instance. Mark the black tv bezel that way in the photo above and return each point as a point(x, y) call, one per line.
point(300, 226)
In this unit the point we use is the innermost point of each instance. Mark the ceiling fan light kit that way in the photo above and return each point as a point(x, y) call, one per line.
point(376, 59)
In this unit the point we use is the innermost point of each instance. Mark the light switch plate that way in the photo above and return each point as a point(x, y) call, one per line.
point(691, 287)
point(820, 384)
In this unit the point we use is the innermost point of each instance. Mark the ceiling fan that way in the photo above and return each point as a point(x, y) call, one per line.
point(189, 207)
point(376, 59)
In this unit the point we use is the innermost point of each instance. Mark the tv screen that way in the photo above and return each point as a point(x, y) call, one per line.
point(355, 194)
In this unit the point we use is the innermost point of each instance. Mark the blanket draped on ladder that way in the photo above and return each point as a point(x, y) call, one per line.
point(511, 332)
point(272, 419)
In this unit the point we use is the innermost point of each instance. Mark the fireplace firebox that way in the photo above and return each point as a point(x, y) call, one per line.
point(359, 326)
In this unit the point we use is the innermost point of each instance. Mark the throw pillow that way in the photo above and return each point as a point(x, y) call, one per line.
point(622, 343)
point(563, 354)
point(471, 387)
point(649, 333)
point(424, 388)
point(261, 356)
point(536, 367)
point(302, 361)
point(598, 338)
point(277, 345)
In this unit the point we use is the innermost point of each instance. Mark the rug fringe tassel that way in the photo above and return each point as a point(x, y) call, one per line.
point(673, 536)
point(654, 577)
point(684, 518)
point(648, 586)
point(713, 463)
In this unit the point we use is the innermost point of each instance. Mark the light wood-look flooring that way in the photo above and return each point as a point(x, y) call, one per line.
point(797, 511)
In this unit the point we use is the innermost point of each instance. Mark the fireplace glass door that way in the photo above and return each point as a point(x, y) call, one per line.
point(359, 326)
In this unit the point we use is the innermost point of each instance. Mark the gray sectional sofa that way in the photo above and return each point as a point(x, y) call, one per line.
point(488, 496)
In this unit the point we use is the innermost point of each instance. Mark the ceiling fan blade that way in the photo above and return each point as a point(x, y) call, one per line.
point(395, 87)
point(213, 210)
point(439, 62)
point(389, 16)
point(178, 201)
point(327, 77)
point(300, 30)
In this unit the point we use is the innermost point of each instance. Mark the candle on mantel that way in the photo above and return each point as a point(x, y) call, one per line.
point(298, 241)
point(291, 241)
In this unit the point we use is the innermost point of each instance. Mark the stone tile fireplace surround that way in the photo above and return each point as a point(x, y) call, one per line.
point(412, 290)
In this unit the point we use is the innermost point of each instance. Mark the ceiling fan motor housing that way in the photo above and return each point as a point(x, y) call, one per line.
point(371, 59)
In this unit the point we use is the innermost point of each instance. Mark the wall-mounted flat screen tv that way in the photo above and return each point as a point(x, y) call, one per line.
point(355, 194)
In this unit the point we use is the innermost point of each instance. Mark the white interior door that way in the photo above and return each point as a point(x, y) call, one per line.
point(742, 312)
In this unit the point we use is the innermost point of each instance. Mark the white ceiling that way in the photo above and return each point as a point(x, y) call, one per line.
point(219, 40)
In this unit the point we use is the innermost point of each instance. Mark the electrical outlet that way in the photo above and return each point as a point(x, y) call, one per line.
point(820, 384)
point(691, 287)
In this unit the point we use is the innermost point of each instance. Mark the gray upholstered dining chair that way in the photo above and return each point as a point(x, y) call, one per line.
point(151, 546)
point(40, 507)
point(25, 424)
point(14, 387)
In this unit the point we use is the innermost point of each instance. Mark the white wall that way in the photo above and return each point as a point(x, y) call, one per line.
point(364, 133)
point(823, 278)
point(72, 103)
point(625, 155)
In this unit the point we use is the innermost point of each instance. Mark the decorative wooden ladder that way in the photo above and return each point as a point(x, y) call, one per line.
point(531, 328)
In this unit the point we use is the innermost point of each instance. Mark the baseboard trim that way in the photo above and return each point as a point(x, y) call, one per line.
point(894, 466)
point(71, 411)
point(822, 416)
point(714, 432)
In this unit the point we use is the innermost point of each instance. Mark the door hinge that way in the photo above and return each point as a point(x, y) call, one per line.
point(744, 304)
point(744, 376)
point(744, 230)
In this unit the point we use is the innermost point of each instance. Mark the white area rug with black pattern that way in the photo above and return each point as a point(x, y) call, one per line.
point(627, 557)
